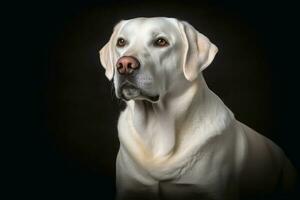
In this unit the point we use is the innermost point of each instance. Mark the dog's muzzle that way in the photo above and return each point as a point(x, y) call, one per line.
point(130, 91)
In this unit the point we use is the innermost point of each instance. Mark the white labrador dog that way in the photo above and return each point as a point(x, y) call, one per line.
point(177, 138)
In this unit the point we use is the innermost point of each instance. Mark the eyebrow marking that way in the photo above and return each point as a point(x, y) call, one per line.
point(155, 33)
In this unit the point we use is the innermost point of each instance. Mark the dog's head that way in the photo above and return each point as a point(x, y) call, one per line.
point(148, 57)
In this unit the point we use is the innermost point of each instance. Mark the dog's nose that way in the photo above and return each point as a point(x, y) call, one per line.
point(127, 65)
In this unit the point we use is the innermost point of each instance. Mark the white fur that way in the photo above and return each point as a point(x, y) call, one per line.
point(188, 145)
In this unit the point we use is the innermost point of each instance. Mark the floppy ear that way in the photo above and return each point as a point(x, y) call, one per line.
point(199, 52)
point(107, 55)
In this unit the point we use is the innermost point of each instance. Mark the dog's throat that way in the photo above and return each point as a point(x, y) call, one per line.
point(156, 129)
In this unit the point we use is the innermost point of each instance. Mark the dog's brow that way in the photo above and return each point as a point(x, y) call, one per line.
point(159, 34)
point(155, 33)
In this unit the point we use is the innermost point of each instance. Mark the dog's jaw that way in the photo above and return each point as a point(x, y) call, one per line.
point(129, 91)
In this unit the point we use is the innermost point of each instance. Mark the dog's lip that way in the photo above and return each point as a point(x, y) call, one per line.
point(129, 91)
point(141, 95)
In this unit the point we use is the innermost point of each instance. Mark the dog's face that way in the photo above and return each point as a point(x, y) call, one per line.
point(148, 57)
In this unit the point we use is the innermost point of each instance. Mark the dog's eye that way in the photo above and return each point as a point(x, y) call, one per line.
point(161, 42)
point(121, 42)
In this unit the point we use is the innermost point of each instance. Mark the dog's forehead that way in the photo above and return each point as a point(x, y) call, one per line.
point(149, 25)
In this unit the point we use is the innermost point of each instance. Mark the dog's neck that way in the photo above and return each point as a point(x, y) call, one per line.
point(158, 124)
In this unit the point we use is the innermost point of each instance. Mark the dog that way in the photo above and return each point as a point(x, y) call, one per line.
point(177, 138)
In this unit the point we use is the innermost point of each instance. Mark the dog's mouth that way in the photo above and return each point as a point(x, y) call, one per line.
point(129, 91)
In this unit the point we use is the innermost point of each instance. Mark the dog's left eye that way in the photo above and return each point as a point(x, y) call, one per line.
point(161, 42)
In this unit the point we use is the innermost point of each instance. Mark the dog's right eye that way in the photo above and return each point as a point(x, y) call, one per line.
point(121, 42)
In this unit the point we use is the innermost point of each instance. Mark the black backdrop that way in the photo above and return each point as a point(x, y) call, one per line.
point(63, 108)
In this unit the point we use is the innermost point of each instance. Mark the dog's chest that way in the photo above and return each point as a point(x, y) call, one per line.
point(177, 191)
point(134, 181)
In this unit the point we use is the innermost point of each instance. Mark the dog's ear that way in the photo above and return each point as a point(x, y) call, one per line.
point(107, 55)
point(199, 52)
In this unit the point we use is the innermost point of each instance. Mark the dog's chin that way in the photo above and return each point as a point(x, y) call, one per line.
point(130, 92)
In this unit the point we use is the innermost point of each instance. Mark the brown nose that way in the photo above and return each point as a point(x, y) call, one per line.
point(127, 65)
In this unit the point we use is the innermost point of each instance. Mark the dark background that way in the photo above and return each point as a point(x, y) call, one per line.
point(62, 108)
